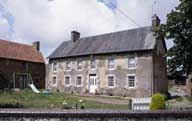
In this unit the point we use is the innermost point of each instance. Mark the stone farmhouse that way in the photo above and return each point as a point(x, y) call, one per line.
point(21, 64)
point(126, 63)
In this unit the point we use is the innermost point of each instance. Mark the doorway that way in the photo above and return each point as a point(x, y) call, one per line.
point(92, 83)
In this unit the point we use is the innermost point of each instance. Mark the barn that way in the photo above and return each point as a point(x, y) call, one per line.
point(21, 64)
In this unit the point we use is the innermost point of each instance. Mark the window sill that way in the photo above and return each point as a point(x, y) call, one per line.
point(67, 70)
point(111, 87)
point(68, 85)
point(79, 85)
point(131, 68)
point(131, 88)
point(111, 69)
point(54, 85)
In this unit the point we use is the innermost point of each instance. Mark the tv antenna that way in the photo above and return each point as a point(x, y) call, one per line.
point(153, 7)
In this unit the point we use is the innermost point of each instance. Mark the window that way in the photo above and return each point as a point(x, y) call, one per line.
point(131, 63)
point(131, 81)
point(68, 66)
point(111, 64)
point(93, 63)
point(79, 65)
point(54, 67)
point(67, 80)
point(111, 81)
point(54, 81)
point(79, 81)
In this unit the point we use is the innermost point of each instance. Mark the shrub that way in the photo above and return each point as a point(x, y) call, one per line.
point(157, 102)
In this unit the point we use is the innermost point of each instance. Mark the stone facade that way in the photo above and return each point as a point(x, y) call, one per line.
point(149, 72)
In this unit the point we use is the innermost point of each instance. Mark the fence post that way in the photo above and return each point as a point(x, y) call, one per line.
point(130, 104)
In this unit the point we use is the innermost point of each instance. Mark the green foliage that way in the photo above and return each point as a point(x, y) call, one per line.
point(179, 99)
point(179, 29)
point(158, 102)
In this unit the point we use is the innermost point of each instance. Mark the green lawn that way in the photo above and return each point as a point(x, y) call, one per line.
point(57, 100)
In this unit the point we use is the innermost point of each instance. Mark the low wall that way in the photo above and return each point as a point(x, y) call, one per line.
point(92, 115)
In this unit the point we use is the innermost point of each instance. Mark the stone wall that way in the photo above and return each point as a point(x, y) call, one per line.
point(92, 115)
point(160, 81)
point(143, 74)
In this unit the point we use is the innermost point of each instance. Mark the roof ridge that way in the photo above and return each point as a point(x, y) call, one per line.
point(19, 51)
point(111, 33)
point(115, 32)
point(13, 42)
point(121, 41)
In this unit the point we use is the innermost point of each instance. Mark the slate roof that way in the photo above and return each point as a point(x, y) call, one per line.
point(17, 51)
point(122, 41)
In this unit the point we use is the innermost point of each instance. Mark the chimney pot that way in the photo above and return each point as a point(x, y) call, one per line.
point(75, 35)
point(155, 21)
point(36, 45)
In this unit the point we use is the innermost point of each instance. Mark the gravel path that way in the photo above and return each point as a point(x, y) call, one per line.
point(105, 100)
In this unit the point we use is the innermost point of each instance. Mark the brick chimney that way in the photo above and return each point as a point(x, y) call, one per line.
point(155, 21)
point(75, 36)
point(36, 45)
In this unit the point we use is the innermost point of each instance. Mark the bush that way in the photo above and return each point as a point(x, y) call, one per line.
point(157, 102)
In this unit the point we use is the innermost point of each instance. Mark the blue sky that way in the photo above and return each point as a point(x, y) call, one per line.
point(51, 21)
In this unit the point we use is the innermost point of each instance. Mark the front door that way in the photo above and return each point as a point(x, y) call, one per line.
point(92, 83)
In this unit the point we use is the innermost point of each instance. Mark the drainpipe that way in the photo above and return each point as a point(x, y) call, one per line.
point(152, 74)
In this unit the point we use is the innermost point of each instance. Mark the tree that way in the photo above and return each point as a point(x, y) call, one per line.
point(179, 29)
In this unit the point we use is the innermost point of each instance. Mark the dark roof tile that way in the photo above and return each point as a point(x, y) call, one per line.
point(123, 41)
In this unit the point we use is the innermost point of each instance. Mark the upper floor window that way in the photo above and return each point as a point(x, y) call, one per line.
point(79, 65)
point(67, 80)
point(111, 63)
point(68, 66)
point(131, 81)
point(54, 67)
point(93, 63)
point(54, 81)
point(79, 80)
point(131, 63)
point(111, 81)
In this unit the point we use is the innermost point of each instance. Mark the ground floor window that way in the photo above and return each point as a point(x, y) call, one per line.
point(67, 80)
point(79, 80)
point(54, 81)
point(131, 81)
point(111, 81)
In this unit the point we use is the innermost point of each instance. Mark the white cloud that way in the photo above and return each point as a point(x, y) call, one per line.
point(4, 28)
point(50, 21)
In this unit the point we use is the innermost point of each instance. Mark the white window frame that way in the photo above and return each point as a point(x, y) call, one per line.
point(135, 81)
point(95, 63)
point(129, 64)
point(52, 81)
point(69, 65)
point(54, 66)
point(81, 80)
point(78, 65)
point(69, 80)
point(113, 64)
point(108, 80)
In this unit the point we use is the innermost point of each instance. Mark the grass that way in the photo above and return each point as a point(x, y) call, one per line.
point(179, 99)
point(189, 98)
point(57, 100)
